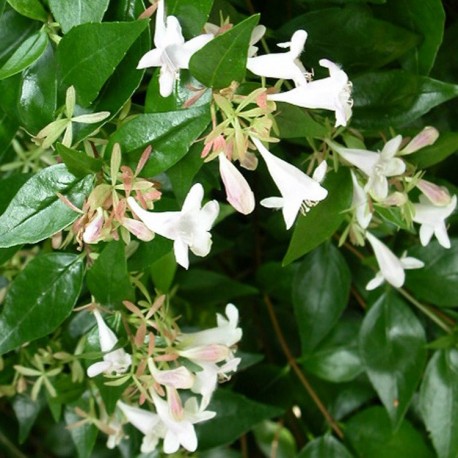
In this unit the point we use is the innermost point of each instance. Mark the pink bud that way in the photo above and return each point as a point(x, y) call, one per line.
point(206, 353)
point(174, 402)
point(396, 199)
point(436, 194)
point(425, 138)
point(93, 230)
point(138, 229)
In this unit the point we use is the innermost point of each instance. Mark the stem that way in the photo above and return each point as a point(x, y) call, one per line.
point(13, 452)
point(300, 375)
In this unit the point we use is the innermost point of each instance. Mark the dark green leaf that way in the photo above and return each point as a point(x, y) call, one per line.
point(26, 412)
point(392, 346)
point(295, 122)
point(89, 53)
point(320, 294)
point(78, 163)
point(224, 58)
point(192, 14)
point(148, 252)
point(27, 53)
point(371, 435)
point(170, 134)
point(325, 446)
point(395, 98)
point(439, 403)
point(322, 221)
point(75, 12)
point(163, 272)
point(40, 298)
point(445, 146)
point(9, 187)
point(235, 416)
point(30, 8)
point(274, 439)
point(36, 211)
point(108, 279)
point(84, 435)
point(8, 129)
point(437, 281)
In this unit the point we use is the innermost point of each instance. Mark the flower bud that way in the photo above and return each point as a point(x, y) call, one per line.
point(425, 138)
point(438, 195)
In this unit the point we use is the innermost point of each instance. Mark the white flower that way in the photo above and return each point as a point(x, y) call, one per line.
point(377, 166)
point(180, 377)
point(432, 220)
point(147, 422)
point(391, 267)
point(298, 190)
point(360, 203)
point(238, 191)
point(331, 93)
point(180, 428)
point(286, 65)
point(436, 194)
point(256, 35)
point(188, 228)
point(117, 361)
point(171, 53)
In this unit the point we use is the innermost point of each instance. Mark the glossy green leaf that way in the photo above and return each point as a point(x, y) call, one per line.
point(108, 279)
point(320, 293)
point(84, 435)
point(88, 55)
point(371, 435)
point(36, 212)
point(395, 98)
point(236, 415)
point(439, 403)
point(295, 122)
point(437, 281)
point(358, 41)
point(192, 14)
point(26, 412)
point(37, 100)
point(32, 9)
point(393, 349)
point(9, 187)
point(27, 53)
point(163, 272)
point(325, 446)
point(274, 439)
point(8, 129)
point(320, 223)
point(170, 134)
point(40, 298)
point(148, 252)
point(69, 13)
point(444, 146)
point(77, 162)
point(224, 58)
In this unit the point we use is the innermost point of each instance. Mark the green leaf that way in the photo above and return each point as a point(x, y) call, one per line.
point(32, 9)
point(444, 146)
point(148, 252)
point(395, 98)
point(235, 415)
point(8, 129)
point(274, 439)
point(437, 281)
point(26, 412)
point(224, 58)
point(36, 212)
point(295, 122)
point(40, 298)
point(320, 223)
point(192, 14)
point(37, 100)
point(78, 163)
point(320, 293)
point(170, 134)
point(29, 51)
point(370, 434)
point(325, 446)
point(163, 272)
point(108, 279)
point(9, 187)
point(69, 13)
point(439, 403)
point(84, 435)
point(393, 349)
point(358, 40)
point(89, 53)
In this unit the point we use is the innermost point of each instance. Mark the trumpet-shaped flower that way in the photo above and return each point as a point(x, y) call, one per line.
point(298, 190)
point(286, 65)
point(188, 228)
point(117, 361)
point(171, 53)
point(377, 166)
point(238, 191)
point(180, 377)
point(391, 267)
point(432, 220)
point(331, 93)
point(360, 203)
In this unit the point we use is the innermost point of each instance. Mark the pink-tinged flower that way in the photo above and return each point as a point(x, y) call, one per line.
point(179, 378)
point(331, 93)
point(93, 230)
point(360, 203)
point(437, 195)
point(238, 191)
point(180, 431)
point(432, 220)
point(171, 53)
point(391, 267)
point(147, 422)
point(117, 361)
point(426, 137)
point(286, 65)
point(137, 228)
point(377, 166)
point(188, 228)
point(298, 190)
